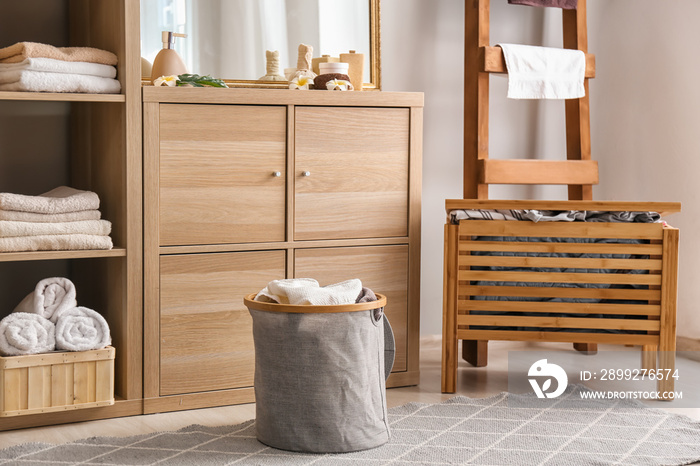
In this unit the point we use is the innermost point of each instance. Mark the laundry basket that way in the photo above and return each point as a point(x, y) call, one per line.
point(320, 375)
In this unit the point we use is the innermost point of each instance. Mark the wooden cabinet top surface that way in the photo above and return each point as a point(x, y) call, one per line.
point(281, 97)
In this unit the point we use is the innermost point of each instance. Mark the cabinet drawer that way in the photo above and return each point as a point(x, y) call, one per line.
point(384, 269)
point(351, 172)
point(206, 339)
point(217, 174)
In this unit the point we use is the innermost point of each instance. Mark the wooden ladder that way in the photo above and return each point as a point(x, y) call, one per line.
point(578, 171)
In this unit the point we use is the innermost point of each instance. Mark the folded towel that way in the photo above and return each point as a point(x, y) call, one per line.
point(16, 216)
point(543, 72)
point(50, 295)
point(23, 333)
point(81, 329)
point(57, 201)
point(50, 65)
point(84, 227)
point(307, 291)
point(40, 81)
point(566, 4)
point(55, 243)
point(22, 50)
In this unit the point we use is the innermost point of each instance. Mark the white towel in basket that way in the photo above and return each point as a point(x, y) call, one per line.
point(50, 296)
point(307, 291)
point(81, 329)
point(24, 333)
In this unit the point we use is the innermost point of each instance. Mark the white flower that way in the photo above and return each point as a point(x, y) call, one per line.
point(301, 82)
point(339, 85)
point(166, 81)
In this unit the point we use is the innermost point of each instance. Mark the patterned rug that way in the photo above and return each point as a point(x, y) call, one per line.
point(505, 429)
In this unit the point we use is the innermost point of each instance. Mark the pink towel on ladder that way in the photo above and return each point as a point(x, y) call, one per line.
point(566, 4)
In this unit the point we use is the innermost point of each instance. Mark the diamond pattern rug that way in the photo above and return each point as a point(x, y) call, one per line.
point(502, 430)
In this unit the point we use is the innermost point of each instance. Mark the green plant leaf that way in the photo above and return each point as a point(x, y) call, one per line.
point(200, 81)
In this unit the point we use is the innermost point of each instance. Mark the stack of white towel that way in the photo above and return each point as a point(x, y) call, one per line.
point(61, 219)
point(32, 67)
point(49, 319)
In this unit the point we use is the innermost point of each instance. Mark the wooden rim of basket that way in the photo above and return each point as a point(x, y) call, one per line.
point(251, 303)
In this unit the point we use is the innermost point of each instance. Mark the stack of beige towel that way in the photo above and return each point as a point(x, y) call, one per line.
point(32, 67)
point(59, 220)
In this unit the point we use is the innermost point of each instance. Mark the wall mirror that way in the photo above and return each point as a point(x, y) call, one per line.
point(228, 38)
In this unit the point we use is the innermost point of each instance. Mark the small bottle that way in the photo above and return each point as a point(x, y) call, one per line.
point(357, 67)
point(168, 62)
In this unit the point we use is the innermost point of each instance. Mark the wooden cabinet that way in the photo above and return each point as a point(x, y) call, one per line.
point(205, 329)
point(221, 174)
point(91, 142)
point(242, 187)
point(381, 268)
point(351, 169)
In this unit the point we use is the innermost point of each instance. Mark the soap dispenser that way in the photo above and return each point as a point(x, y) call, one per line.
point(168, 62)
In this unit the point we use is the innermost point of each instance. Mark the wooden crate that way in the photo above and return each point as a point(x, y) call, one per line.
point(43, 383)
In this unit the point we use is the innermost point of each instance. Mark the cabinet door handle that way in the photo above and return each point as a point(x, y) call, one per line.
point(305, 173)
point(276, 174)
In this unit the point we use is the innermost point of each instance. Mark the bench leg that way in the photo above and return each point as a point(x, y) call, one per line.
point(586, 348)
point(449, 312)
point(475, 352)
point(669, 297)
point(649, 357)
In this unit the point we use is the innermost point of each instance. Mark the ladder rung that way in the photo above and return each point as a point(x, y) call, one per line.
point(493, 61)
point(564, 172)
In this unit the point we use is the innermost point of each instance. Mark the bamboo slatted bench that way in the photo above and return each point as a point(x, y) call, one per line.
point(483, 302)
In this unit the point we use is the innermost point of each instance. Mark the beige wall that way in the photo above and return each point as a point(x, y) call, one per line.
point(643, 112)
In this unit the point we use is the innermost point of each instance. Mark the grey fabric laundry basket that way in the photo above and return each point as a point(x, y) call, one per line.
point(320, 375)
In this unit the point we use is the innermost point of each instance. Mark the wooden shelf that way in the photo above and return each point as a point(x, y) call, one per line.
point(61, 97)
point(54, 255)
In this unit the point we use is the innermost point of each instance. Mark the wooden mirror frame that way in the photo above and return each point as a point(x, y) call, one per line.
point(375, 83)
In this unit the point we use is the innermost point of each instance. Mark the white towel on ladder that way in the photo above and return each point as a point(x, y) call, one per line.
point(544, 72)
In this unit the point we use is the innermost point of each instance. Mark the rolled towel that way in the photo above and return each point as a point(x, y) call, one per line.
point(16, 216)
point(25, 333)
point(81, 329)
point(84, 227)
point(22, 50)
point(55, 243)
point(50, 65)
point(57, 201)
point(40, 81)
point(50, 296)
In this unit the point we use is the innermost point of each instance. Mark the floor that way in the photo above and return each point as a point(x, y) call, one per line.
point(472, 382)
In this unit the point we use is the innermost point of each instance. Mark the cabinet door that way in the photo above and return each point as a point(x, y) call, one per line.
point(383, 269)
point(206, 336)
point(351, 172)
point(218, 167)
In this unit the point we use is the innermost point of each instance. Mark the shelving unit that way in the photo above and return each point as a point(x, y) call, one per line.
point(58, 97)
point(104, 134)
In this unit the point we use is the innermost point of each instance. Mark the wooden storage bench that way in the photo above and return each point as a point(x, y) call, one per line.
point(43, 383)
point(526, 281)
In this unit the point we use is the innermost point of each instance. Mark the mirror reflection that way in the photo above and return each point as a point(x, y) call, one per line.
point(228, 38)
